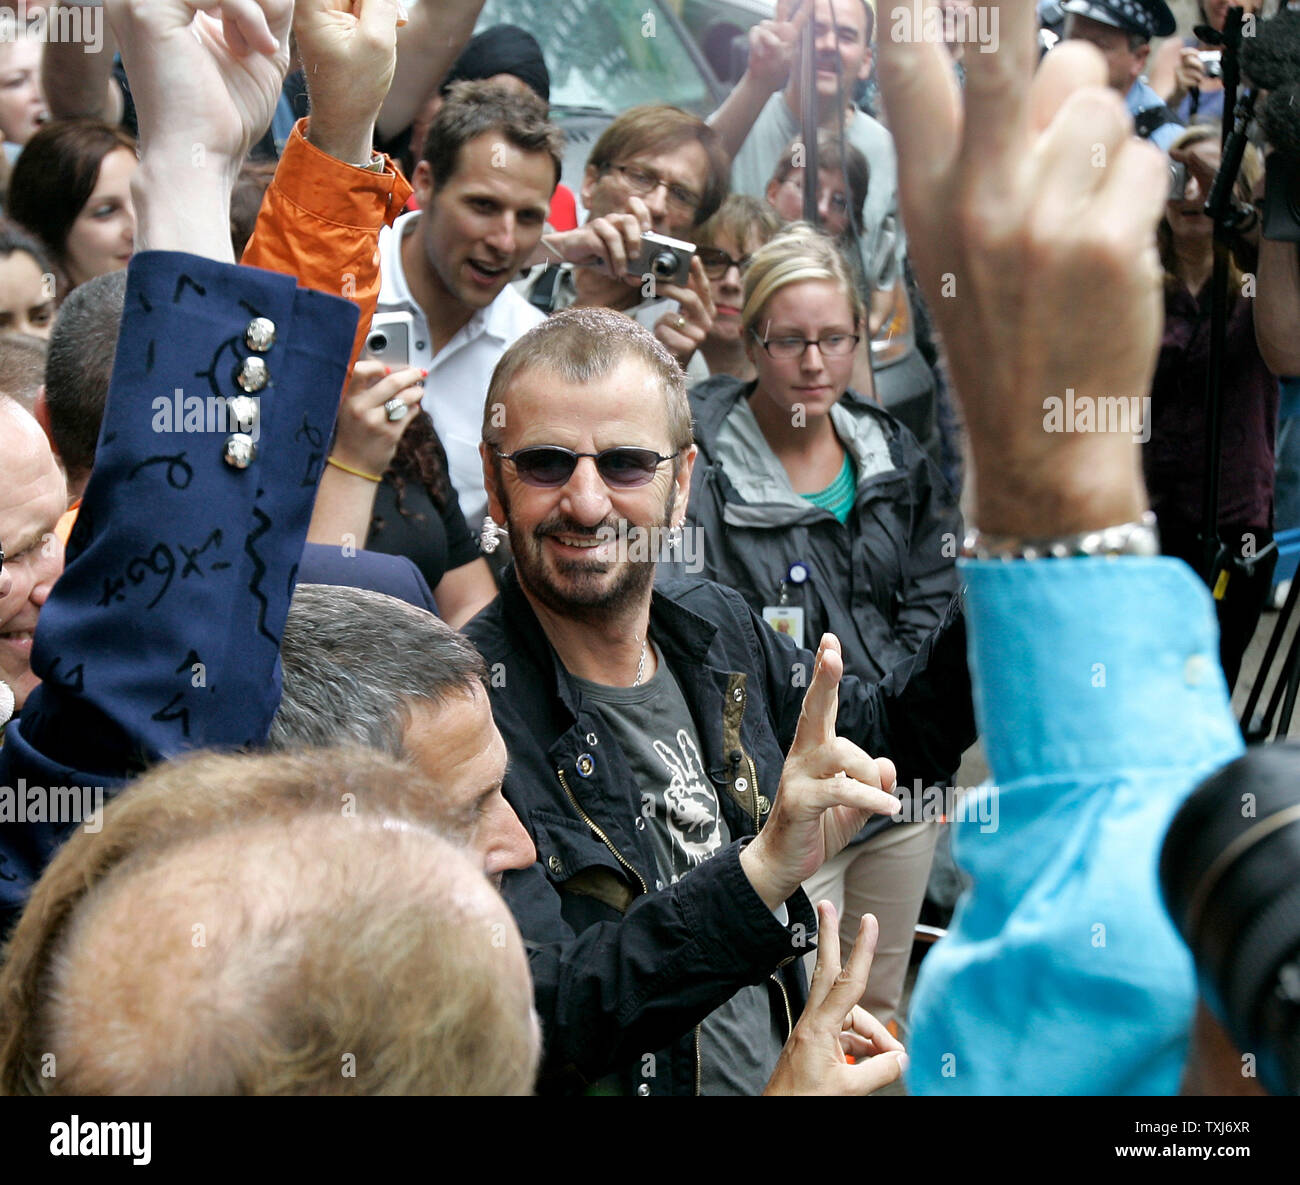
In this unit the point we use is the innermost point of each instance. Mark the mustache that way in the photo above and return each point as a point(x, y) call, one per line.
point(559, 525)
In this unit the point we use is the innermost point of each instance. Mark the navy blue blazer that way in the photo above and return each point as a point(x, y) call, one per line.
point(163, 633)
point(394, 575)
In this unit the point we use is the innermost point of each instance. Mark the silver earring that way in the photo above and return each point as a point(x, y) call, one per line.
point(674, 539)
point(490, 535)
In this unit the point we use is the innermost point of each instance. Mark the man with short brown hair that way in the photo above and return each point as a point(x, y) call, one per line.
point(490, 164)
point(655, 168)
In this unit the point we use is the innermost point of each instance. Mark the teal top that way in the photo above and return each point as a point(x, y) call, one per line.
point(838, 496)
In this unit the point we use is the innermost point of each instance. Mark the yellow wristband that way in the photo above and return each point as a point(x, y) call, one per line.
point(354, 472)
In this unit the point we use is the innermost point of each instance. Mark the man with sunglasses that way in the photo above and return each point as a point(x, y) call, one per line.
point(655, 168)
point(649, 729)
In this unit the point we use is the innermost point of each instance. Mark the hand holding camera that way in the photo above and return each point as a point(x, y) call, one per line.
point(683, 332)
point(623, 245)
point(369, 424)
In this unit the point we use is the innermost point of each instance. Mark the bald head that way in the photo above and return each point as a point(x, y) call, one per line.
point(332, 956)
point(210, 799)
point(33, 496)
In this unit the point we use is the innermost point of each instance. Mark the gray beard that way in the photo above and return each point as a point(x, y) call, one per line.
point(581, 601)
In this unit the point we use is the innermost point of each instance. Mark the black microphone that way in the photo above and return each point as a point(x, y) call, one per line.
point(1221, 190)
point(1280, 119)
point(1271, 59)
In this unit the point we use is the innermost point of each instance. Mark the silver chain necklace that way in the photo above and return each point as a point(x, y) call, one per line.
point(640, 666)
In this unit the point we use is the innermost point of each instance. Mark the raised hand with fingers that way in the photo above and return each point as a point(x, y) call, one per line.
point(772, 43)
point(1031, 195)
point(684, 331)
point(205, 77)
point(829, 789)
point(834, 1027)
point(204, 73)
point(349, 52)
point(377, 408)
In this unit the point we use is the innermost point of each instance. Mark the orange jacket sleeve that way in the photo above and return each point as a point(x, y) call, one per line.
point(320, 221)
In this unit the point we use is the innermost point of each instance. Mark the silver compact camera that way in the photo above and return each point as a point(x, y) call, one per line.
point(1212, 62)
point(1177, 181)
point(389, 339)
point(667, 260)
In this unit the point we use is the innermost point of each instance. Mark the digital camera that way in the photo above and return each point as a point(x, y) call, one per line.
point(1177, 181)
point(667, 260)
point(389, 339)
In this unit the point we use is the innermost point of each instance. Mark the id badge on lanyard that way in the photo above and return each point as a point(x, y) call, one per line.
point(784, 617)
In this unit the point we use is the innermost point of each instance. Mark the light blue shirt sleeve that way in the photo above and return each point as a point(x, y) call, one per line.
point(1164, 137)
point(1140, 97)
point(1101, 704)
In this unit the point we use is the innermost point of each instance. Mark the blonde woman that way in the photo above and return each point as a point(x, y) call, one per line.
point(823, 511)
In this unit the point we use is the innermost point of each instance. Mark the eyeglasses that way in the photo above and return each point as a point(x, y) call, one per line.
point(642, 182)
point(838, 202)
point(833, 345)
point(549, 465)
point(717, 262)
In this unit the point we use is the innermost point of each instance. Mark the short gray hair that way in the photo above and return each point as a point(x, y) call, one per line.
point(22, 367)
point(79, 367)
point(583, 344)
point(354, 661)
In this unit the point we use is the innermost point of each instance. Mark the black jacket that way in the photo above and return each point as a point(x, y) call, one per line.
point(880, 582)
point(624, 971)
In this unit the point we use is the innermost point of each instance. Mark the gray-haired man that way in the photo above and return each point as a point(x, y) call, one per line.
point(366, 668)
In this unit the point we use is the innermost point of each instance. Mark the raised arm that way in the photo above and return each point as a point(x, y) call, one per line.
point(431, 41)
point(772, 46)
point(81, 83)
point(163, 633)
point(1095, 677)
point(321, 217)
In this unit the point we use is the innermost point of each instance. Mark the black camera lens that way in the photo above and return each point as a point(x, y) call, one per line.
point(377, 342)
point(664, 265)
point(1230, 874)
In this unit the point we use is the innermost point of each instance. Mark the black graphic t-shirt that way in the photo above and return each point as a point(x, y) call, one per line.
point(677, 807)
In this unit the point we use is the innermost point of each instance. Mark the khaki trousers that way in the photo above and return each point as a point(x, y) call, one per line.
point(887, 876)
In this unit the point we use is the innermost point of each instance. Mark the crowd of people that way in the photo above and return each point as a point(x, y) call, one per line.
point(475, 634)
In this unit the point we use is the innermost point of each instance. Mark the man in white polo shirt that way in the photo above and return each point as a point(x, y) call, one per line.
point(484, 183)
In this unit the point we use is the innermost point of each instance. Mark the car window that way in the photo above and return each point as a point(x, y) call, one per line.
point(610, 54)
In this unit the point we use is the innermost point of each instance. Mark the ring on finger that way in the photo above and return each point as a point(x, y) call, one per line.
point(680, 322)
point(395, 409)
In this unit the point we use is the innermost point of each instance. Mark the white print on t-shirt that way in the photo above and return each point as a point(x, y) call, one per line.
point(692, 803)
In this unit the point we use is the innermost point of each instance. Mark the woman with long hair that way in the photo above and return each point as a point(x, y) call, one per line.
point(385, 487)
point(71, 188)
